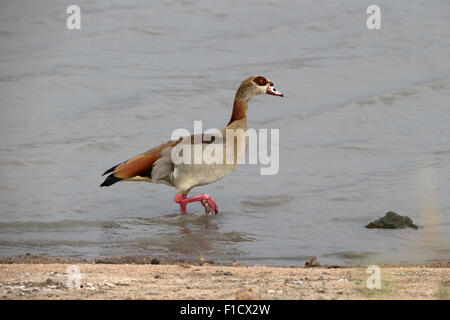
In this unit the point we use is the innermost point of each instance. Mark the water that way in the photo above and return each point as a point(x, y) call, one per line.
point(364, 128)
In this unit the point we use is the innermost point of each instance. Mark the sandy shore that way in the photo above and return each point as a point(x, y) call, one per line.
point(185, 281)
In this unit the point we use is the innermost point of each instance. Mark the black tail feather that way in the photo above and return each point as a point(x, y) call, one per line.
point(110, 180)
point(110, 170)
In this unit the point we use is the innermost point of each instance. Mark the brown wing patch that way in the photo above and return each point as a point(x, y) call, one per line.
point(260, 81)
point(141, 163)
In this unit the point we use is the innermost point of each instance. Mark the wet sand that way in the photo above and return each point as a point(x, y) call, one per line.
point(46, 280)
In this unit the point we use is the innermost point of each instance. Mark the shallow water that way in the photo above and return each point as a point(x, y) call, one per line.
point(364, 128)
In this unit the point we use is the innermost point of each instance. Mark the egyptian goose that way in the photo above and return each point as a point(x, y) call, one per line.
point(157, 165)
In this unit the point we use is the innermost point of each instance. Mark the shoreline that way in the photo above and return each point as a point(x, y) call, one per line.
point(35, 277)
point(30, 258)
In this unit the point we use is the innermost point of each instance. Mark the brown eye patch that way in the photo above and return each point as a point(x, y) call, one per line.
point(260, 81)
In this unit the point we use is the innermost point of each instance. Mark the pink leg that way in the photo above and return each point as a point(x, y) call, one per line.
point(179, 198)
point(206, 200)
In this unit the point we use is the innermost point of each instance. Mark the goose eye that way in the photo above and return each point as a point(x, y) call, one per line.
point(260, 81)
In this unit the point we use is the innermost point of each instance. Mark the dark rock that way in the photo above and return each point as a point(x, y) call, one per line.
point(155, 261)
point(392, 221)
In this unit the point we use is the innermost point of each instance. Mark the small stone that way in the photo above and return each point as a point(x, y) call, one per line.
point(154, 261)
point(51, 282)
point(185, 265)
point(312, 263)
point(203, 262)
point(247, 294)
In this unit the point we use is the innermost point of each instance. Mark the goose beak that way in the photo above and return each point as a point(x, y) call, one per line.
point(271, 90)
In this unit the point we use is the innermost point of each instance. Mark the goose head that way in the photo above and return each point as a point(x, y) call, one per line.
point(256, 85)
